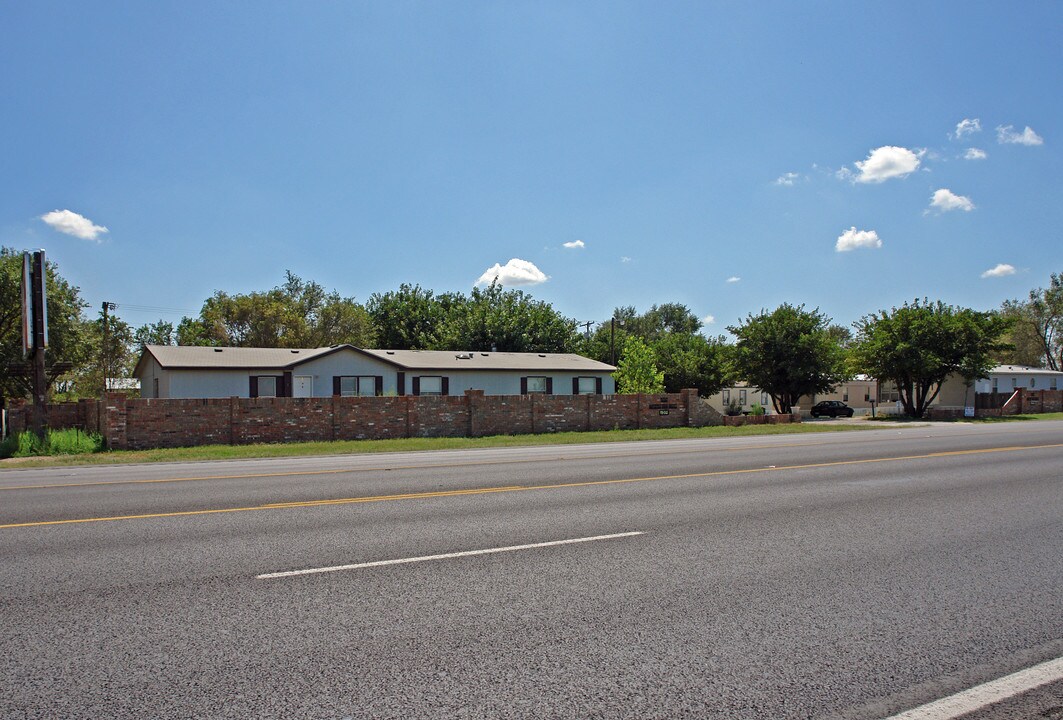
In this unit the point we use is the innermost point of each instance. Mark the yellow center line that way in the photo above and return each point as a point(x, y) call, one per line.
point(524, 488)
point(386, 468)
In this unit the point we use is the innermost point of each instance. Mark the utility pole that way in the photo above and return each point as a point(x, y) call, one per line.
point(587, 325)
point(104, 357)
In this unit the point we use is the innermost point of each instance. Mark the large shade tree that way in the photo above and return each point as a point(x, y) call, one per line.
point(919, 345)
point(295, 314)
point(789, 352)
point(672, 332)
point(1037, 330)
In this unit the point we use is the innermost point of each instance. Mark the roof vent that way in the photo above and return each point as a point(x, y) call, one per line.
point(217, 349)
point(464, 356)
point(390, 352)
point(295, 352)
point(483, 354)
point(541, 355)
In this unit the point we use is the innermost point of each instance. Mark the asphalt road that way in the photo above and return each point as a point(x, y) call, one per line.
point(849, 575)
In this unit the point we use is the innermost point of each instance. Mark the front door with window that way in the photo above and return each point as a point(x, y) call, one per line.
point(303, 386)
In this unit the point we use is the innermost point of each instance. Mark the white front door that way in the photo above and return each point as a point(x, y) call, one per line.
point(303, 386)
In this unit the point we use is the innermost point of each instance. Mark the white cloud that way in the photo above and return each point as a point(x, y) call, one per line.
point(574, 244)
point(852, 239)
point(1007, 135)
point(974, 154)
point(69, 222)
point(513, 274)
point(625, 259)
point(1000, 270)
point(967, 127)
point(887, 162)
point(945, 200)
point(733, 279)
point(708, 320)
point(787, 179)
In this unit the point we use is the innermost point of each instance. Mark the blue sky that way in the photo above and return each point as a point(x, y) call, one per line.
point(729, 156)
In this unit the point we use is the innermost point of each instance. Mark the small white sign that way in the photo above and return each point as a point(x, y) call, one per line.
point(968, 411)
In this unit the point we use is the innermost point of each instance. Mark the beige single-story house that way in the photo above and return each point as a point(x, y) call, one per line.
point(168, 371)
point(743, 396)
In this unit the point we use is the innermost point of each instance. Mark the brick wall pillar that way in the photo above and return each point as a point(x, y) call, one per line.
point(474, 401)
point(114, 421)
point(690, 396)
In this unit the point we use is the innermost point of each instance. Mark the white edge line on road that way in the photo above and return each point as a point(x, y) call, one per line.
point(444, 556)
point(987, 693)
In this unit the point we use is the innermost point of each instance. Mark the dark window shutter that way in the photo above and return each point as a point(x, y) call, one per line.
point(379, 385)
point(400, 381)
point(575, 386)
point(253, 392)
point(549, 386)
point(286, 385)
point(335, 384)
point(416, 385)
point(524, 386)
point(446, 386)
point(598, 386)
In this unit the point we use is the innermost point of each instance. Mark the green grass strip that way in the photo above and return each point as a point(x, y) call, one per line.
point(348, 447)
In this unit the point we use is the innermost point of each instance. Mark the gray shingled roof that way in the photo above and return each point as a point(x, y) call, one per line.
point(470, 360)
point(187, 356)
point(184, 356)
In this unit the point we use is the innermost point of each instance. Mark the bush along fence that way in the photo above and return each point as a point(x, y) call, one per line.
point(137, 424)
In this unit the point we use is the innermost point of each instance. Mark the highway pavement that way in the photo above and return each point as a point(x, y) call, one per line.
point(837, 575)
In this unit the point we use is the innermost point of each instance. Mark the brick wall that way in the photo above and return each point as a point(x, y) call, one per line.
point(149, 423)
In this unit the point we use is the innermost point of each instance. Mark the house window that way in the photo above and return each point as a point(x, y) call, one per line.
point(587, 385)
point(155, 386)
point(356, 386)
point(535, 384)
point(267, 386)
point(430, 385)
point(845, 396)
point(1032, 381)
point(1053, 383)
point(996, 382)
point(726, 397)
point(742, 397)
point(764, 399)
point(1014, 383)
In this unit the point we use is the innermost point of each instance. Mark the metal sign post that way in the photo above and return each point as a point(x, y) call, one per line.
point(35, 328)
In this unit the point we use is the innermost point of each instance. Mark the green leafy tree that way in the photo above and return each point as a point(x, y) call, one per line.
point(493, 318)
point(67, 342)
point(918, 345)
point(156, 333)
point(692, 361)
point(1040, 320)
point(112, 354)
point(410, 318)
point(1026, 341)
point(637, 371)
point(787, 353)
point(298, 313)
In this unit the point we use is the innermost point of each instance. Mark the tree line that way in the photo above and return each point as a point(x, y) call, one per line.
point(787, 352)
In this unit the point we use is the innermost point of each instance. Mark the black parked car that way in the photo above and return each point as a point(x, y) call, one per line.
point(831, 408)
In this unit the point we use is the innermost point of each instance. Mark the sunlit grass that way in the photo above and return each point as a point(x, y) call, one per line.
point(345, 447)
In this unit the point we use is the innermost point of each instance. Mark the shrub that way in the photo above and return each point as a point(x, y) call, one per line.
point(757, 409)
point(54, 442)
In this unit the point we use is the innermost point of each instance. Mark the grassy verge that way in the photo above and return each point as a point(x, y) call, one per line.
point(344, 447)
